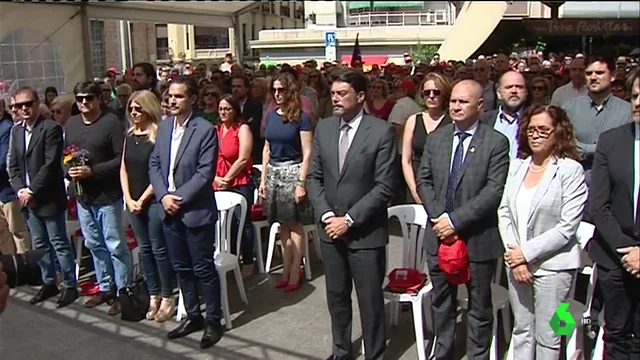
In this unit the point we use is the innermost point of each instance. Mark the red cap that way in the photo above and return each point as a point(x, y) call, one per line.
point(114, 70)
point(453, 260)
point(408, 85)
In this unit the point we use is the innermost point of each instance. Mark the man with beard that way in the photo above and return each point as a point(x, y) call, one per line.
point(512, 94)
point(614, 204)
point(598, 111)
point(145, 78)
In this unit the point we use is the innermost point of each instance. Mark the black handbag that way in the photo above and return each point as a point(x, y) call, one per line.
point(134, 300)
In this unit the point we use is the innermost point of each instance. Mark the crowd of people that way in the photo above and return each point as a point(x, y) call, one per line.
point(506, 155)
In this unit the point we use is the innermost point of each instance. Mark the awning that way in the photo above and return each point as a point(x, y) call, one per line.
point(353, 5)
point(398, 4)
point(367, 60)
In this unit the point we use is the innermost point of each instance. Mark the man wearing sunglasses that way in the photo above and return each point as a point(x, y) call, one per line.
point(99, 132)
point(36, 177)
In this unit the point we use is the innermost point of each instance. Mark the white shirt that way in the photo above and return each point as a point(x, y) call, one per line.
point(28, 131)
point(176, 140)
point(465, 144)
point(567, 92)
point(636, 173)
point(354, 124)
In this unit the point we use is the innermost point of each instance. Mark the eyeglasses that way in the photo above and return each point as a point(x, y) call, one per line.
point(22, 105)
point(81, 98)
point(277, 90)
point(137, 109)
point(225, 109)
point(428, 92)
point(542, 132)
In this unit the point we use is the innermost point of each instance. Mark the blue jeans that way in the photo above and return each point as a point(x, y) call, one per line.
point(50, 234)
point(191, 253)
point(248, 237)
point(103, 235)
point(147, 227)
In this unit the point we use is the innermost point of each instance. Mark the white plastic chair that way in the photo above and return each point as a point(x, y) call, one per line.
point(500, 302)
point(306, 259)
point(257, 229)
point(413, 219)
point(224, 260)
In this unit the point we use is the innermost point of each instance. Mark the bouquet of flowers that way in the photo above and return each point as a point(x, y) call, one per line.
point(74, 156)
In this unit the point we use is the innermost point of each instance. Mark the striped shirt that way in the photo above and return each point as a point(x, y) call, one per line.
point(590, 120)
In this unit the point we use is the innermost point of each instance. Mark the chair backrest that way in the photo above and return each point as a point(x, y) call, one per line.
point(413, 220)
point(256, 175)
point(227, 201)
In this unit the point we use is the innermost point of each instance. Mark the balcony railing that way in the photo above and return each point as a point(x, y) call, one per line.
point(423, 18)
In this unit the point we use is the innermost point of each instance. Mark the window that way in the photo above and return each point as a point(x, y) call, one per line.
point(27, 58)
point(162, 42)
point(97, 48)
point(211, 38)
point(285, 10)
point(272, 7)
point(254, 36)
point(265, 7)
point(245, 40)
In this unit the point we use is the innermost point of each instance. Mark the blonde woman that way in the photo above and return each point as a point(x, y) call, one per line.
point(209, 97)
point(380, 105)
point(61, 109)
point(143, 112)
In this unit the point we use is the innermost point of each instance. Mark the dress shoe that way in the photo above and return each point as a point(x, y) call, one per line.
point(45, 292)
point(99, 299)
point(212, 334)
point(344, 357)
point(68, 297)
point(115, 308)
point(187, 327)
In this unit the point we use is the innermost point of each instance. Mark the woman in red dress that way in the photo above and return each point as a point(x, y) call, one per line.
point(233, 168)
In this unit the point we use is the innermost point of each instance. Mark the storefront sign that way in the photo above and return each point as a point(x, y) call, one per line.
point(584, 27)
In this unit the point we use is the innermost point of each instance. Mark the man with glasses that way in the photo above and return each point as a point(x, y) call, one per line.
point(482, 75)
point(37, 178)
point(100, 202)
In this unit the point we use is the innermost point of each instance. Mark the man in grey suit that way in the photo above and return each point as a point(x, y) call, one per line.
point(350, 183)
point(181, 170)
point(460, 183)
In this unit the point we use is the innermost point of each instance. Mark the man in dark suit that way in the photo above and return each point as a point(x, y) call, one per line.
point(353, 171)
point(35, 166)
point(614, 202)
point(460, 182)
point(251, 113)
point(181, 170)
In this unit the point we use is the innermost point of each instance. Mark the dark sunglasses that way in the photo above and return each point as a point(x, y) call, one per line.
point(277, 90)
point(211, 94)
point(22, 105)
point(137, 109)
point(431, 91)
point(80, 98)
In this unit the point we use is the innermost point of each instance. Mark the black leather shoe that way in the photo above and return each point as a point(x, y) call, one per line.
point(212, 334)
point(67, 298)
point(185, 328)
point(45, 292)
point(336, 357)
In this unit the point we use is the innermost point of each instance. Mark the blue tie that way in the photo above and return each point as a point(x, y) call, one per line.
point(454, 176)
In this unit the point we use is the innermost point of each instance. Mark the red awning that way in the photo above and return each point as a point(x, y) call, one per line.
point(367, 60)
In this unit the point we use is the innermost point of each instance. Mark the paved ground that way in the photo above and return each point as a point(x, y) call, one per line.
point(273, 326)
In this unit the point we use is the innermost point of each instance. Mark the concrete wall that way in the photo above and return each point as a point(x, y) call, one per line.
point(61, 23)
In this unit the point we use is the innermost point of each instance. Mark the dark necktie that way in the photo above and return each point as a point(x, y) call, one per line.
point(454, 175)
point(636, 225)
point(343, 146)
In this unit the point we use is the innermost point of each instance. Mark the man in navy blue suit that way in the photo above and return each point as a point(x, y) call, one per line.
point(181, 170)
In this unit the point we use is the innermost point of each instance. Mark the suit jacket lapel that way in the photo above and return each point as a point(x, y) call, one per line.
point(543, 187)
point(358, 140)
point(514, 187)
point(448, 158)
point(188, 132)
point(469, 157)
point(35, 135)
point(334, 141)
point(627, 147)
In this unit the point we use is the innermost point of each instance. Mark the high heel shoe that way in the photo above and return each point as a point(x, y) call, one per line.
point(291, 287)
point(154, 304)
point(282, 283)
point(166, 310)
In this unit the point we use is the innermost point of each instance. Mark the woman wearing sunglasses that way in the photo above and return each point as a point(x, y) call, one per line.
point(142, 207)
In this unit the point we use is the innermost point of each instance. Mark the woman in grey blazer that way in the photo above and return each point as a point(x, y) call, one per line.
point(541, 209)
